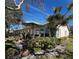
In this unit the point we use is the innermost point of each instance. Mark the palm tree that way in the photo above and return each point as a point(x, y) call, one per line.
point(69, 7)
point(58, 18)
point(69, 17)
point(56, 10)
point(54, 20)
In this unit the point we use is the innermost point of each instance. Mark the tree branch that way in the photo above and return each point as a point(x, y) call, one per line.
point(17, 6)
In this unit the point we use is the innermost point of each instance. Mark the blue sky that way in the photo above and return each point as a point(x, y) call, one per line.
point(39, 15)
